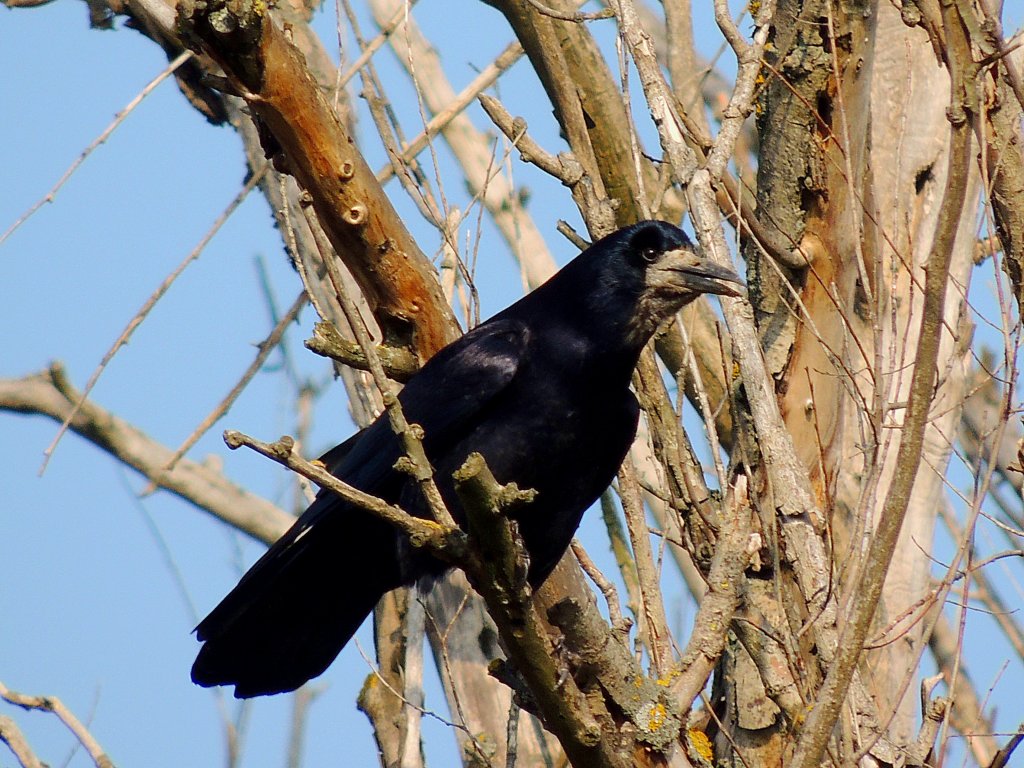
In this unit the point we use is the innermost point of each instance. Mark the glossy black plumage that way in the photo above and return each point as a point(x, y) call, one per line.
point(541, 390)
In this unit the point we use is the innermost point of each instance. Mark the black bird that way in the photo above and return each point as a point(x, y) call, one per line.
point(541, 390)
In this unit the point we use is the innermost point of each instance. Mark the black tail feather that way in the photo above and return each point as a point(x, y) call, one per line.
point(287, 637)
point(291, 615)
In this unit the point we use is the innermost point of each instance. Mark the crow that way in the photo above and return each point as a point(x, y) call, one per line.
point(541, 390)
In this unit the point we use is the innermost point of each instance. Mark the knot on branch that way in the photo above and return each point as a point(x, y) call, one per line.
point(233, 439)
point(572, 169)
point(510, 496)
point(507, 673)
point(406, 466)
point(399, 362)
point(439, 537)
point(356, 215)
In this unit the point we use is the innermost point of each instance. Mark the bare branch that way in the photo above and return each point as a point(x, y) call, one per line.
point(563, 167)
point(399, 363)
point(1002, 757)
point(357, 217)
point(646, 702)
point(50, 394)
point(66, 716)
point(12, 736)
point(500, 577)
point(934, 715)
point(446, 542)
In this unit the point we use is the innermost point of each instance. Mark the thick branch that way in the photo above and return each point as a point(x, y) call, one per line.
point(15, 740)
point(50, 394)
point(357, 216)
point(646, 703)
point(585, 97)
point(818, 728)
point(500, 577)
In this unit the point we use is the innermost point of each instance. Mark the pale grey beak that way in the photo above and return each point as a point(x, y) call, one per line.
point(687, 272)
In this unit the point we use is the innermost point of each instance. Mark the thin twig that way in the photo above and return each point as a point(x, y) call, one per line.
point(118, 119)
point(659, 637)
point(472, 148)
point(144, 311)
point(611, 595)
point(398, 694)
point(443, 540)
point(985, 593)
point(617, 538)
point(390, 132)
point(15, 740)
point(66, 716)
point(264, 348)
point(368, 49)
point(443, 117)
point(968, 716)
point(563, 167)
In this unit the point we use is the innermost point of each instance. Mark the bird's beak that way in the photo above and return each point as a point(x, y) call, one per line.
point(686, 271)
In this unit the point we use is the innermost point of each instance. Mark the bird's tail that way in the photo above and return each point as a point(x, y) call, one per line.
point(297, 607)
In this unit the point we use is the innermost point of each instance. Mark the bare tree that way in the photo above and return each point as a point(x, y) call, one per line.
point(865, 162)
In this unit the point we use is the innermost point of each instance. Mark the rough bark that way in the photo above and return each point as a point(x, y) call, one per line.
point(305, 134)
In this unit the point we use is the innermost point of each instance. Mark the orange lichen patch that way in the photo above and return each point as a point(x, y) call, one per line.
point(668, 679)
point(656, 716)
point(699, 745)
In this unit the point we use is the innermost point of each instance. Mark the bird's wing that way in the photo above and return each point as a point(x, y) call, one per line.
point(447, 398)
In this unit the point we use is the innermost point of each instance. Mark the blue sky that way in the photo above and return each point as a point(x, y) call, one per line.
point(90, 610)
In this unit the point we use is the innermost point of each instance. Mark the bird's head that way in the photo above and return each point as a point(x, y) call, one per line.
point(643, 274)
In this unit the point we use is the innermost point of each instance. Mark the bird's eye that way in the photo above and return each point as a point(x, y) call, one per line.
point(650, 255)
